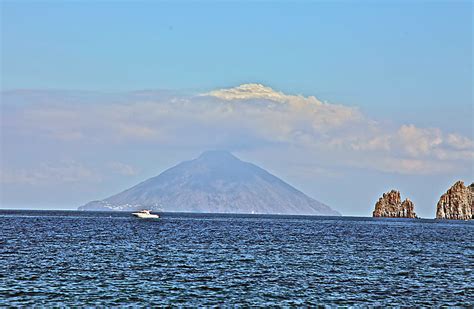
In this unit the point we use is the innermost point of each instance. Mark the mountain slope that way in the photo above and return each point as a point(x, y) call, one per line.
point(216, 182)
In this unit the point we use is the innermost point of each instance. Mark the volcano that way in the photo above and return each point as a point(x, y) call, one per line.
point(215, 182)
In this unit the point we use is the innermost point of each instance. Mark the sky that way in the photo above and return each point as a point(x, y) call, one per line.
point(343, 100)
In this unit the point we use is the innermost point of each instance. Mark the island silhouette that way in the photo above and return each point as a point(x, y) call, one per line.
point(215, 182)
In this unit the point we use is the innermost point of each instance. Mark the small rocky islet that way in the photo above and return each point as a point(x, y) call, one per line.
point(456, 204)
point(390, 205)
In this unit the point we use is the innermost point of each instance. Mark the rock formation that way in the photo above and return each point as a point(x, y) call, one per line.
point(391, 206)
point(457, 203)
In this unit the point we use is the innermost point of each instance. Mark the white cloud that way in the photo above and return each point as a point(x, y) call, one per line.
point(317, 114)
point(417, 142)
point(65, 172)
point(123, 169)
point(249, 116)
point(459, 142)
point(249, 92)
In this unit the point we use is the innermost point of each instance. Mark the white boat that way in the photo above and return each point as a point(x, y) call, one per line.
point(145, 214)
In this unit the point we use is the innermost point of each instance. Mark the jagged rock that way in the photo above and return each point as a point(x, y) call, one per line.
point(457, 203)
point(391, 206)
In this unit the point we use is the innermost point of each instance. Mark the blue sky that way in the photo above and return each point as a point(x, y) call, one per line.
point(400, 62)
point(380, 57)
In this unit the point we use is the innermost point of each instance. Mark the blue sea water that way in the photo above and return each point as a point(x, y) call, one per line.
point(97, 258)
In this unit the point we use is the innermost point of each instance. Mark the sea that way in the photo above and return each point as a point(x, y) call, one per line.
point(71, 258)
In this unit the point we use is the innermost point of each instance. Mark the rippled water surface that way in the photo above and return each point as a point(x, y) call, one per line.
point(87, 258)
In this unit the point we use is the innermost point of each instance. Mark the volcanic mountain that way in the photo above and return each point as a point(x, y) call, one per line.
point(216, 182)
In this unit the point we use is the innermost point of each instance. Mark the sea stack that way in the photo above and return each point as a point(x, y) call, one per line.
point(457, 203)
point(391, 206)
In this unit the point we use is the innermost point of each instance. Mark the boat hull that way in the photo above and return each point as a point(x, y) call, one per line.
point(145, 216)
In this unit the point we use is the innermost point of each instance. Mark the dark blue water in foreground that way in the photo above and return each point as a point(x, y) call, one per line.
point(86, 258)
